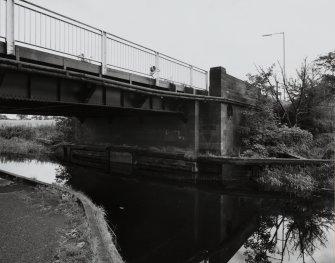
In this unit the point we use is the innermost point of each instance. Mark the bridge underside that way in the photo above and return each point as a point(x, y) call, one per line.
point(35, 82)
point(24, 91)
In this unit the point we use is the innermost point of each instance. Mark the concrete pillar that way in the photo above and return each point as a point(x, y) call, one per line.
point(219, 121)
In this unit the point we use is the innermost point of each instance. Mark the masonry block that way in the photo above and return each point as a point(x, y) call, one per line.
point(219, 122)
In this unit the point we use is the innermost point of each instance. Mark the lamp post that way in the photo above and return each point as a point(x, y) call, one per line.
point(284, 55)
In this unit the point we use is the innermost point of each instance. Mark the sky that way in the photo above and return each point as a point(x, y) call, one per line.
point(210, 33)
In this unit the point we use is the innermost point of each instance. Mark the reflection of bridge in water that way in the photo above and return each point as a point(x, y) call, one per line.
point(157, 222)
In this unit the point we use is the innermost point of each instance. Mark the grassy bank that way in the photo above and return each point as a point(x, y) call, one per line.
point(78, 242)
point(27, 141)
point(23, 148)
point(74, 244)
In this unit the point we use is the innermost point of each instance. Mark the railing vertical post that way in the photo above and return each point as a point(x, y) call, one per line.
point(10, 41)
point(157, 67)
point(206, 80)
point(103, 52)
point(191, 75)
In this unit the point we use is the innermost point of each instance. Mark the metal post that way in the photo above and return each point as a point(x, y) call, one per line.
point(10, 41)
point(284, 63)
point(284, 55)
point(206, 80)
point(157, 68)
point(191, 75)
point(103, 52)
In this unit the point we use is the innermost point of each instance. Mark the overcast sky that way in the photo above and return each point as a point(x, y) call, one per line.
point(210, 33)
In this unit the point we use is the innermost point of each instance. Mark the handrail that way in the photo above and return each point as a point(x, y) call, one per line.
point(37, 27)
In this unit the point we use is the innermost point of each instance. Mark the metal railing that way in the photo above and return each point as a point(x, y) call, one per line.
point(26, 24)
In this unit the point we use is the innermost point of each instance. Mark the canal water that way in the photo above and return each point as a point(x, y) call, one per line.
point(156, 222)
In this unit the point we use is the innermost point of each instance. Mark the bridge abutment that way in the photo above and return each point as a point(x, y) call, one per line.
point(219, 122)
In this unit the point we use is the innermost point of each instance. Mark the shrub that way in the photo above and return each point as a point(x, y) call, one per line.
point(24, 132)
point(18, 146)
point(65, 129)
point(291, 179)
point(323, 175)
point(297, 180)
point(294, 136)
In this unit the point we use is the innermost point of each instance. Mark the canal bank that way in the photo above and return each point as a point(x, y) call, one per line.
point(49, 223)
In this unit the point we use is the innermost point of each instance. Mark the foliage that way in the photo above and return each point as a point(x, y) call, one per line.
point(65, 128)
point(310, 94)
point(21, 147)
point(297, 180)
point(298, 226)
point(263, 135)
point(28, 141)
point(281, 128)
point(258, 251)
point(291, 179)
point(23, 132)
point(46, 132)
point(22, 116)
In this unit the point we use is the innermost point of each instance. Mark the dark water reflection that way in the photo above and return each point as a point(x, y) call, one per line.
point(157, 222)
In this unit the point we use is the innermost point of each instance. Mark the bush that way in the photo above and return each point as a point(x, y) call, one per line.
point(65, 129)
point(300, 181)
point(23, 132)
point(291, 179)
point(22, 147)
point(24, 140)
point(292, 137)
point(323, 139)
point(323, 175)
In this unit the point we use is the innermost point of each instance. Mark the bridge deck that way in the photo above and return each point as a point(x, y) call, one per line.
point(24, 24)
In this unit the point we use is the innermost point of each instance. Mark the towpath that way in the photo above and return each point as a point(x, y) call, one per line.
point(29, 231)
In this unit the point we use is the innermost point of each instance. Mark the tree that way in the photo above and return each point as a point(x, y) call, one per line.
point(3, 117)
point(290, 227)
point(311, 91)
point(21, 116)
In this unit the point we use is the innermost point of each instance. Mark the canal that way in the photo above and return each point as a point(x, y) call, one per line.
point(161, 222)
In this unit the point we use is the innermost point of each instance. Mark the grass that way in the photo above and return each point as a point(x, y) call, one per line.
point(77, 241)
point(24, 141)
point(74, 245)
point(22, 147)
point(108, 239)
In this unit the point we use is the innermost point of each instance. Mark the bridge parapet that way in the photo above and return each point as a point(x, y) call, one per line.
point(229, 87)
point(29, 25)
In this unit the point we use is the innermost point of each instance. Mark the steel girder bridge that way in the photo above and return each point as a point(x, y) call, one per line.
point(54, 65)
